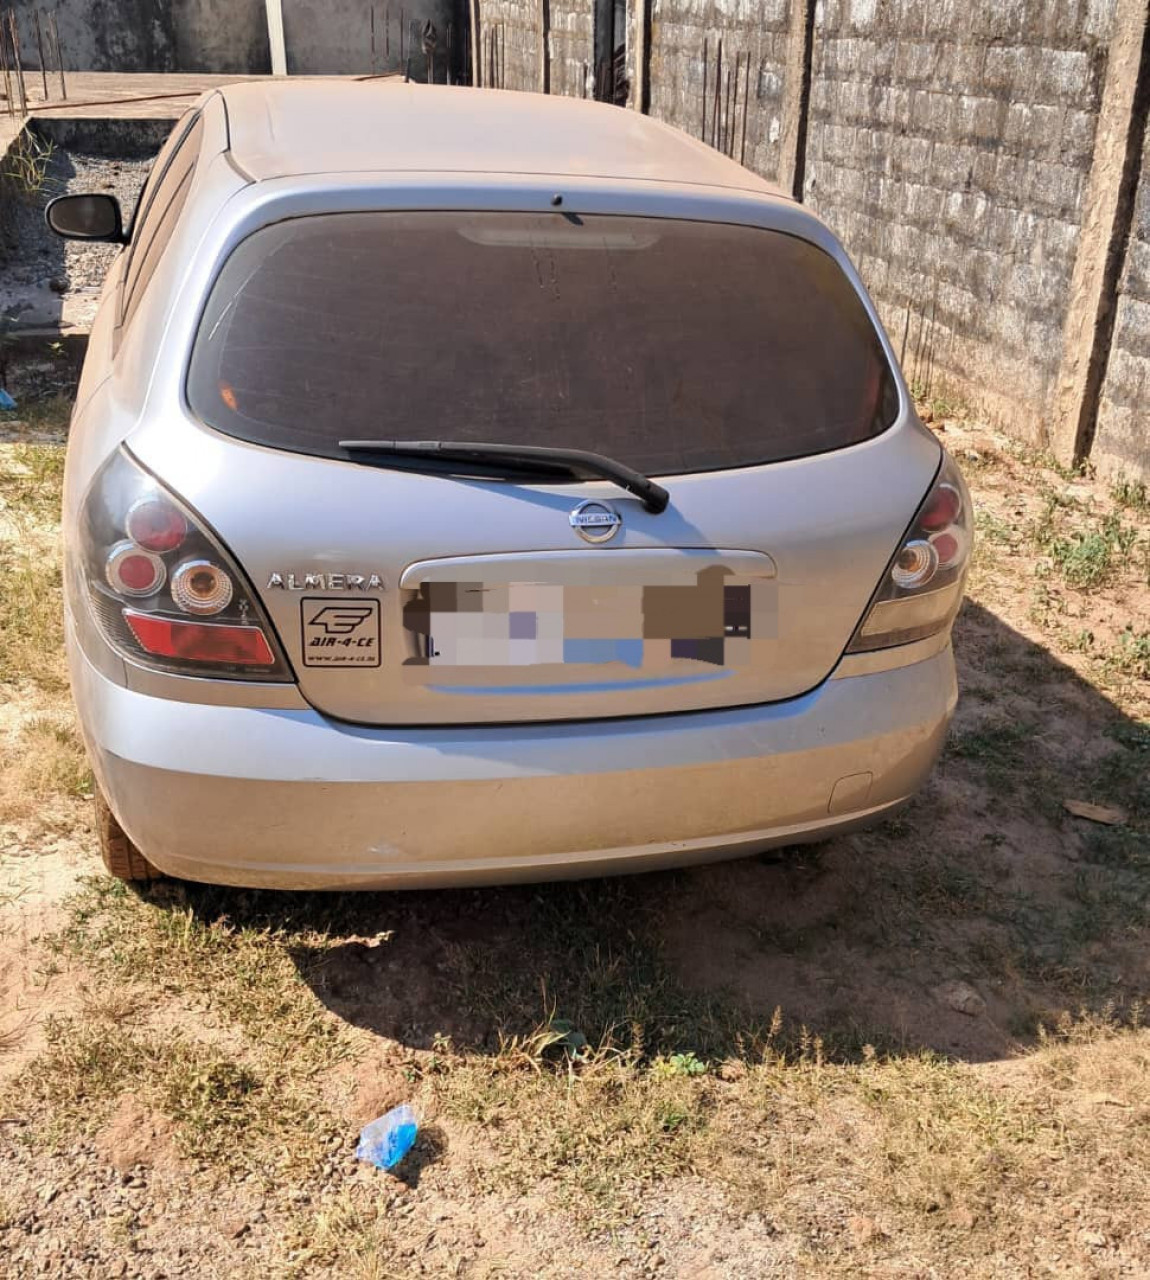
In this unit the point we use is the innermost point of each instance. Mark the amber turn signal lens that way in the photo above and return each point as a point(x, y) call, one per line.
point(198, 586)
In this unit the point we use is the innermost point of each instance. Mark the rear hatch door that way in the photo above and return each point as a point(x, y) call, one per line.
point(739, 366)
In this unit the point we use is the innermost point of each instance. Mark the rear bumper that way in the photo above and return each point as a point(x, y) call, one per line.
point(290, 799)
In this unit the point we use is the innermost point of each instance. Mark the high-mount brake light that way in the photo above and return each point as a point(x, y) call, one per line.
point(138, 537)
point(922, 589)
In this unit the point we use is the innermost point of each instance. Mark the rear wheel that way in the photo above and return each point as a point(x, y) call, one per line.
point(121, 857)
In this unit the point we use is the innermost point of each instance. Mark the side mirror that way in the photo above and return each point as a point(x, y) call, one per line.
point(86, 217)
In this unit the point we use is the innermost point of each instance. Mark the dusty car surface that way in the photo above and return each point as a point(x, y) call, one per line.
point(469, 486)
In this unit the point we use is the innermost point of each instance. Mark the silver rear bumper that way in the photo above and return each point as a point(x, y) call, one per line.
point(290, 799)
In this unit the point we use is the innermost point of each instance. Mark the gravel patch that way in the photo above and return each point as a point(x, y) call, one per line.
point(40, 274)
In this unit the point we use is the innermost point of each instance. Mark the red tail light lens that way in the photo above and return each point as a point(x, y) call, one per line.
point(200, 641)
point(922, 587)
point(942, 508)
point(131, 571)
point(149, 563)
point(156, 525)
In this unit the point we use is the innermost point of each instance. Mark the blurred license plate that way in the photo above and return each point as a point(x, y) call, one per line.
point(530, 623)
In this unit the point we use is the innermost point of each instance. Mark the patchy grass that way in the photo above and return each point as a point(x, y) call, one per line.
point(1085, 558)
point(31, 609)
point(610, 1073)
point(234, 1063)
point(37, 421)
point(1131, 493)
point(46, 762)
point(1129, 655)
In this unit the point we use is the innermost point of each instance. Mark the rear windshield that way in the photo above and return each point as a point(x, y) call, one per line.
point(670, 346)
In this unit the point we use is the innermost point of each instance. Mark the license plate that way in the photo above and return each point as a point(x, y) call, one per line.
point(472, 624)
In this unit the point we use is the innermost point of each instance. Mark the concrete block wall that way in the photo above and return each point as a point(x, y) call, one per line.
point(757, 29)
point(333, 37)
point(572, 47)
point(954, 146)
point(223, 37)
point(518, 24)
point(950, 146)
point(977, 157)
point(1122, 435)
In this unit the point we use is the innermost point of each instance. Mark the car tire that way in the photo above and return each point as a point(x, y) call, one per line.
point(121, 857)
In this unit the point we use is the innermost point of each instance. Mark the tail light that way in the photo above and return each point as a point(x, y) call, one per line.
point(163, 589)
point(922, 587)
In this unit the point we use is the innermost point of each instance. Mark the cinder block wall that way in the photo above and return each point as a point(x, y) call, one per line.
point(950, 145)
point(516, 52)
point(1122, 438)
point(220, 36)
point(979, 158)
point(572, 46)
point(758, 31)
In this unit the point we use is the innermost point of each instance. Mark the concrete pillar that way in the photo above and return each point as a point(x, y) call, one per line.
point(796, 97)
point(1105, 226)
point(639, 89)
point(276, 37)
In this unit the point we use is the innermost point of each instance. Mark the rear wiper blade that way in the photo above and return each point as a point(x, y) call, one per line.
point(577, 461)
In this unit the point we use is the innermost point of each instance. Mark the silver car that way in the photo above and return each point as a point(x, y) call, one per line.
point(473, 486)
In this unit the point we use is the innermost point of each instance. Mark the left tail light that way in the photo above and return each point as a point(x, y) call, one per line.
point(922, 588)
point(163, 590)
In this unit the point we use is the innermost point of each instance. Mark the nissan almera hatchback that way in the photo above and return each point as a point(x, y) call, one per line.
point(480, 486)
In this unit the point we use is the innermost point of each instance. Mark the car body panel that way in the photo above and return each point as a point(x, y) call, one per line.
point(312, 516)
point(276, 131)
point(292, 799)
point(308, 515)
point(396, 775)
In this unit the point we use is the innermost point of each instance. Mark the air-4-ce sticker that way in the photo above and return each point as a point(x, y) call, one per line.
point(338, 633)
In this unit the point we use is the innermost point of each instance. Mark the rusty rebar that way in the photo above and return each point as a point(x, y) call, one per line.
point(746, 99)
point(59, 56)
point(15, 33)
point(733, 105)
point(40, 51)
point(718, 104)
point(732, 102)
point(7, 73)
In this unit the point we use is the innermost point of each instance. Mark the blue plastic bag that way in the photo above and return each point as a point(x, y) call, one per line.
point(387, 1140)
point(6, 401)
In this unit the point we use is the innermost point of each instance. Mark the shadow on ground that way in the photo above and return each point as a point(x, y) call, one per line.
point(983, 880)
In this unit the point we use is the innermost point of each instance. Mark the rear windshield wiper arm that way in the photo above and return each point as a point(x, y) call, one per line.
point(578, 461)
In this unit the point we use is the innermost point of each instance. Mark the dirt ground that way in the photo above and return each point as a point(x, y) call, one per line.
point(916, 1051)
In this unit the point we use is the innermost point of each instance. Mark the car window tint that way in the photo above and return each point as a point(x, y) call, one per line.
point(671, 346)
point(159, 166)
point(159, 218)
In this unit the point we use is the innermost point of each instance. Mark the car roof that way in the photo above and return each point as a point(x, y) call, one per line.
point(283, 128)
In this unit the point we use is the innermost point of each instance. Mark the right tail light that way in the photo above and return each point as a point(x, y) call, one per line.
point(163, 590)
point(922, 587)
